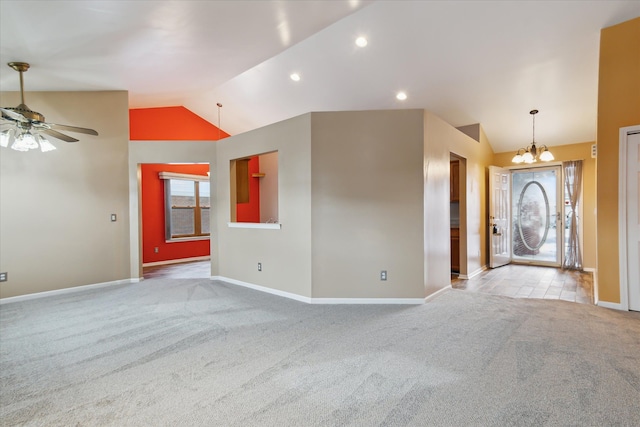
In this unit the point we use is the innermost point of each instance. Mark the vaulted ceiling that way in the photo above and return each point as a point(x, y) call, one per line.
point(487, 62)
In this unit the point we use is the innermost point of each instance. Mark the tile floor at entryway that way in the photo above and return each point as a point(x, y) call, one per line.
point(524, 281)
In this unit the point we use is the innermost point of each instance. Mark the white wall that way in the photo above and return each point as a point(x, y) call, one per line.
point(55, 207)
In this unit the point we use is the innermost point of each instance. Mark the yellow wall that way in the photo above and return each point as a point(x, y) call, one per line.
point(618, 106)
point(580, 151)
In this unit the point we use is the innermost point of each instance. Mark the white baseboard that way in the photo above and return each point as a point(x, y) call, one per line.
point(589, 269)
point(437, 293)
point(263, 289)
point(473, 274)
point(176, 261)
point(309, 300)
point(66, 291)
point(612, 305)
point(478, 271)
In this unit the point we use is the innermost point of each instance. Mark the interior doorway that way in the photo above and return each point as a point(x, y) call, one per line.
point(458, 215)
point(174, 205)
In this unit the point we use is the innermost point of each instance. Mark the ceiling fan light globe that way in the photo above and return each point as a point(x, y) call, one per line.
point(20, 145)
point(7, 137)
point(29, 141)
point(45, 145)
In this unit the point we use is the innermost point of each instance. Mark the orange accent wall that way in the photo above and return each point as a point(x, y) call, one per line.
point(153, 223)
point(250, 212)
point(171, 124)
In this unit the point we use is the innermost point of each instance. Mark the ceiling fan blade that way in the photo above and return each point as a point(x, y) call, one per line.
point(73, 129)
point(58, 135)
point(8, 113)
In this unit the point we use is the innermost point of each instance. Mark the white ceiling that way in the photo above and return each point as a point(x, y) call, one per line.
point(487, 62)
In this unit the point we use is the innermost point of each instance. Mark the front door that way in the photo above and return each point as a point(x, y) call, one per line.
point(536, 221)
point(499, 216)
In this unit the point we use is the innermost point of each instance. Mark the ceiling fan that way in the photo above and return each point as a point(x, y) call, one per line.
point(26, 129)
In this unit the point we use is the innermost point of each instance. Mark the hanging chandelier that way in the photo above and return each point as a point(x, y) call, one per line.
point(532, 153)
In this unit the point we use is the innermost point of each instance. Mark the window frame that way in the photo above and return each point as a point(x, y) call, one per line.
point(197, 209)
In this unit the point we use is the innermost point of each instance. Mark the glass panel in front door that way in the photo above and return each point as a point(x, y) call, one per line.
point(537, 237)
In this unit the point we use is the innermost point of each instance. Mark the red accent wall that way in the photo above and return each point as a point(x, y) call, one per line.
point(250, 212)
point(171, 124)
point(153, 224)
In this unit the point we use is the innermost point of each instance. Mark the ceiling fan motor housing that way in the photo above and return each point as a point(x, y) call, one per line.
point(27, 113)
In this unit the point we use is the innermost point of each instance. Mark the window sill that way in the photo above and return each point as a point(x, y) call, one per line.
point(187, 239)
point(263, 225)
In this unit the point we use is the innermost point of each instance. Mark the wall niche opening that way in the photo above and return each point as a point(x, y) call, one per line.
point(254, 189)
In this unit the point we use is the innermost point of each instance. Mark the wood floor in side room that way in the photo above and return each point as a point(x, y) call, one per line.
point(183, 270)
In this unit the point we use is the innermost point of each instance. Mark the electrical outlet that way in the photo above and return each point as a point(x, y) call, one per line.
point(4, 276)
point(259, 266)
point(383, 275)
point(156, 250)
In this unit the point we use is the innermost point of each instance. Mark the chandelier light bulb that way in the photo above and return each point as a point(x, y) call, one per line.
point(528, 157)
point(546, 156)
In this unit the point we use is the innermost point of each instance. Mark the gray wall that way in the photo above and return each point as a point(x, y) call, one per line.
point(367, 204)
point(358, 192)
point(285, 254)
point(55, 207)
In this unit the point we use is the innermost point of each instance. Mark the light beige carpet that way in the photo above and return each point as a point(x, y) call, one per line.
point(170, 352)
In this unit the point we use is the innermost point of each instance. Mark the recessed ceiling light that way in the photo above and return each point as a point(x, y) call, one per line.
point(401, 96)
point(295, 77)
point(361, 41)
